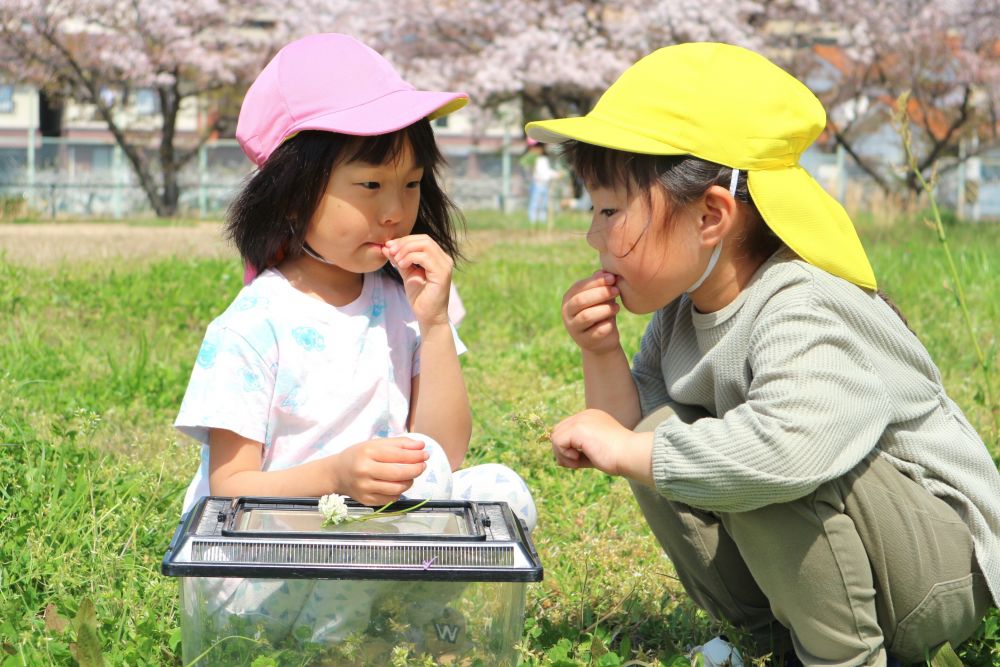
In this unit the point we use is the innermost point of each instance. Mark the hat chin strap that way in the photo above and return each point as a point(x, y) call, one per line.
point(714, 259)
point(308, 250)
point(315, 255)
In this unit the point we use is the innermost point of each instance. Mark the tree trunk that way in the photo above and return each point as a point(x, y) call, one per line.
point(169, 107)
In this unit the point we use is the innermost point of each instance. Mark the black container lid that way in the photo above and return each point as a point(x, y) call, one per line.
point(283, 538)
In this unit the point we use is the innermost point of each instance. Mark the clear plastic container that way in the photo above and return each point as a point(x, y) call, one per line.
point(443, 584)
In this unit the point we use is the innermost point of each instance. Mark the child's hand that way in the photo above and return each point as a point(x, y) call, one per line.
point(589, 309)
point(594, 439)
point(377, 472)
point(426, 271)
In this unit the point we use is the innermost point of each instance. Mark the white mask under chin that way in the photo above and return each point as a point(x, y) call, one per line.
point(713, 260)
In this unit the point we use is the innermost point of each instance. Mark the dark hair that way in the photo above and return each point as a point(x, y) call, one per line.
point(270, 216)
point(681, 178)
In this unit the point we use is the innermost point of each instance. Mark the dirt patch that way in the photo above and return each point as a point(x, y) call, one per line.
point(46, 244)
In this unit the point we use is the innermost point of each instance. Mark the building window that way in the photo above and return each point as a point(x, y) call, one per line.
point(441, 122)
point(147, 102)
point(6, 99)
point(108, 96)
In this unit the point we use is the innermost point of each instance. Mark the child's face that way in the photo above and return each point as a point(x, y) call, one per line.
point(654, 260)
point(364, 206)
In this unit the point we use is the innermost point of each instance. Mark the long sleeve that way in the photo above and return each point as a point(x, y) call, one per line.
point(805, 375)
point(646, 371)
point(814, 409)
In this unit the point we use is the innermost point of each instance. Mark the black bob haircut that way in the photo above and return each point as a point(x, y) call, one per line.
point(683, 179)
point(269, 217)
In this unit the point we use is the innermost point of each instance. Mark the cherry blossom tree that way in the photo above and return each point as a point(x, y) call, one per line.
point(554, 57)
point(98, 52)
point(945, 52)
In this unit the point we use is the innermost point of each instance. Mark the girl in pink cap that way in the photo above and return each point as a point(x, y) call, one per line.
point(335, 371)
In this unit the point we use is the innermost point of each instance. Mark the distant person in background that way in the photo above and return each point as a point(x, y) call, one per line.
point(542, 174)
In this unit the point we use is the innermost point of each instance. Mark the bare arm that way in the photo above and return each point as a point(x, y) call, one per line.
point(589, 313)
point(608, 386)
point(439, 402)
point(374, 472)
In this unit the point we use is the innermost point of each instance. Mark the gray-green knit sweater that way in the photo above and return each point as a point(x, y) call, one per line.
point(806, 374)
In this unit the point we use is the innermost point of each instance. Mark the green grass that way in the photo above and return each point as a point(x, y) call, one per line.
point(95, 360)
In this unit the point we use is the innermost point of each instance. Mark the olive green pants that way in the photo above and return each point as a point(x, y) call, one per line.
point(868, 563)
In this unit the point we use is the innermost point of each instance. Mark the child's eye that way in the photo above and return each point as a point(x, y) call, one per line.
point(608, 212)
point(369, 185)
point(413, 185)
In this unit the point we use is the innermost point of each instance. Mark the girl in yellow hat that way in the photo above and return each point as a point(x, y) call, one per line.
point(787, 437)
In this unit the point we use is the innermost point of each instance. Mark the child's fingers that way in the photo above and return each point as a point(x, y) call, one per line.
point(571, 458)
point(602, 312)
point(597, 280)
point(432, 266)
point(399, 249)
point(601, 329)
point(377, 494)
point(406, 443)
point(589, 298)
point(563, 446)
point(400, 450)
point(397, 472)
point(562, 452)
point(410, 240)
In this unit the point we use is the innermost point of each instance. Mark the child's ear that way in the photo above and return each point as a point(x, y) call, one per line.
point(718, 215)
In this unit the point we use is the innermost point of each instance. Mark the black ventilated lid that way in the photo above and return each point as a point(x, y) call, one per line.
point(283, 538)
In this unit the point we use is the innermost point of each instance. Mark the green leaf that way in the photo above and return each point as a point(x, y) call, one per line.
point(678, 660)
point(88, 644)
point(944, 656)
point(609, 660)
point(558, 655)
point(174, 640)
point(264, 661)
point(625, 648)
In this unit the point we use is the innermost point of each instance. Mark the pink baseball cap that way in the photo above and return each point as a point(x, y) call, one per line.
point(331, 82)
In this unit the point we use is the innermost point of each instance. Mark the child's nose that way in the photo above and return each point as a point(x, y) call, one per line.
point(393, 209)
point(595, 239)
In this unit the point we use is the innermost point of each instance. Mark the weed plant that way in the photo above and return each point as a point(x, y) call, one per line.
point(95, 360)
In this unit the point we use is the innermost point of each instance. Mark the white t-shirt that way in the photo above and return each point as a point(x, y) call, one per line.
point(304, 378)
point(543, 171)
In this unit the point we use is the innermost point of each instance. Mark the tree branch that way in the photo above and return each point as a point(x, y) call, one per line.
point(863, 164)
point(134, 156)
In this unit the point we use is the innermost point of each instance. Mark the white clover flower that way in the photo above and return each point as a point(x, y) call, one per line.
point(334, 509)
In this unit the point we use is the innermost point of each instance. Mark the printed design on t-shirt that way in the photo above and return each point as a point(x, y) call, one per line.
point(250, 381)
point(291, 400)
point(382, 426)
point(207, 353)
point(248, 302)
point(309, 339)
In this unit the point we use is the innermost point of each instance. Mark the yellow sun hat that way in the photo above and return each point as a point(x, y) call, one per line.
point(734, 107)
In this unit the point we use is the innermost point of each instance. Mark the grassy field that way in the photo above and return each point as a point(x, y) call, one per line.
point(95, 358)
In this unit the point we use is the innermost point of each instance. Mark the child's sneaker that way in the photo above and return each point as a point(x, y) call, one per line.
point(716, 653)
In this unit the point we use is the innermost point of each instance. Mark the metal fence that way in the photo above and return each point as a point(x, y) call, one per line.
point(59, 178)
